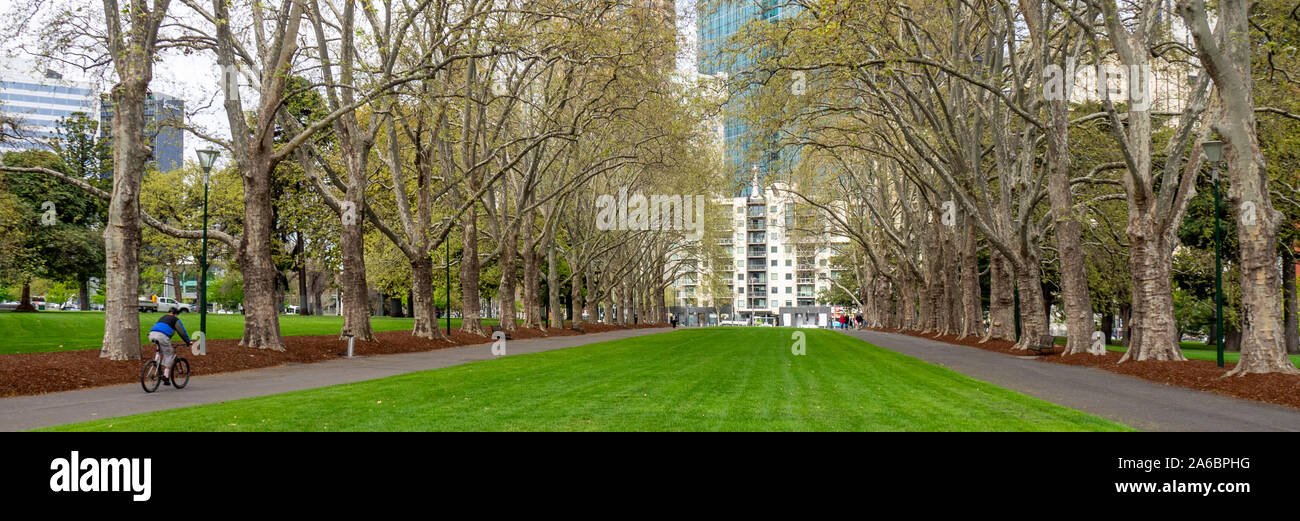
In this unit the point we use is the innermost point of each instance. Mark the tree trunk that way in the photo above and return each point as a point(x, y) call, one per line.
point(553, 286)
point(1108, 327)
point(25, 301)
point(1033, 323)
point(907, 308)
point(1002, 299)
point(261, 318)
point(615, 303)
point(952, 303)
point(532, 286)
point(1079, 323)
point(1226, 53)
point(1153, 330)
point(422, 300)
point(1231, 338)
point(469, 306)
point(122, 234)
point(83, 293)
point(1126, 313)
point(972, 306)
point(304, 308)
point(356, 305)
point(575, 297)
point(591, 305)
point(507, 255)
point(315, 302)
point(1290, 304)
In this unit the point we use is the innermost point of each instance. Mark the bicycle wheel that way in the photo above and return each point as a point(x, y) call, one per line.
point(180, 373)
point(150, 376)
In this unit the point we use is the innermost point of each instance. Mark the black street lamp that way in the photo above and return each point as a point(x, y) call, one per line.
point(1214, 154)
point(206, 158)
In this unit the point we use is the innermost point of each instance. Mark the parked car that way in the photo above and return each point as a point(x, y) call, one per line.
point(164, 305)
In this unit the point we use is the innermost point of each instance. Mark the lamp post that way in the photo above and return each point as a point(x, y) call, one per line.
point(207, 157)
point(1214, 154)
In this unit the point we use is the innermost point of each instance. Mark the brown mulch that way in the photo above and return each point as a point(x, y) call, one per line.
point(40, 373)
point(1202, 375)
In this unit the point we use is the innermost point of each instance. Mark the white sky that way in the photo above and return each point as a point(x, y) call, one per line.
point(195, 78)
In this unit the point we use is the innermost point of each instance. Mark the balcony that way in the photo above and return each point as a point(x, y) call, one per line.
point(757, 238)
point(756, 224)
point(758, 266)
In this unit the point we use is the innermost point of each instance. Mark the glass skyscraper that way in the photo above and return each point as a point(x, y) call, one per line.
point(162, 115)
point(38, 101)
point(718, 21)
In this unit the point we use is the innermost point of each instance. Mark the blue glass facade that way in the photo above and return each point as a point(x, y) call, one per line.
point(37, 105)
point(162, 115)
point(718, 21)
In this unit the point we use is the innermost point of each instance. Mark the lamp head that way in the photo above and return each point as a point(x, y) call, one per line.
point(1213, 150)
point(207, 157)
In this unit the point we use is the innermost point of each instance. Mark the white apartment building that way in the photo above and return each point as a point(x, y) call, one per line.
point(38, 101)
point(774, 277)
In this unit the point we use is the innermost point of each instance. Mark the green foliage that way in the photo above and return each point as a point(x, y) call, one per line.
point(64, 241)
point(227, 290)
point(86, 153)
point(1193, 314)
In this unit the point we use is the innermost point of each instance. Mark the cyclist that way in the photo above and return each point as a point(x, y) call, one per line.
point(162, 334)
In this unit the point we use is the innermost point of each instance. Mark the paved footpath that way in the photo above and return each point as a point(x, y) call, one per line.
point(1138, 403)
point(32, 412)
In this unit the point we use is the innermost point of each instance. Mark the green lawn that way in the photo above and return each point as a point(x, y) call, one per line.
point(72, 330)
point(716, 379)
point(1194, 351)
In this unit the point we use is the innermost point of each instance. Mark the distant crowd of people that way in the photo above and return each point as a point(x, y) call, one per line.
point(847, 321)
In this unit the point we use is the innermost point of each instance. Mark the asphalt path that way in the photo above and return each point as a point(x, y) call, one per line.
point(1135, 402)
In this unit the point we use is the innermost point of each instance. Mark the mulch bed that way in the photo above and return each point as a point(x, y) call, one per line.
point(39, 373)
point(1202, 375)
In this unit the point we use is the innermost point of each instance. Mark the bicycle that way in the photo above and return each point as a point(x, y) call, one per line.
point(151, 374)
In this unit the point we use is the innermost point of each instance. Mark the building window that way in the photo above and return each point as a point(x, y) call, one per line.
point(823, 262)
point(787, 262)
point(787, 303)
point(787, 276)
point(740, 276)
point(787, 289)
point(775, 249)
point(773, 263)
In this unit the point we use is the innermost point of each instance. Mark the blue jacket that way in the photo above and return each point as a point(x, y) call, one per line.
point(169, 325)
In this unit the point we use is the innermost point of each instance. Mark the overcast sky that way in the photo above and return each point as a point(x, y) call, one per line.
point(195, 77)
